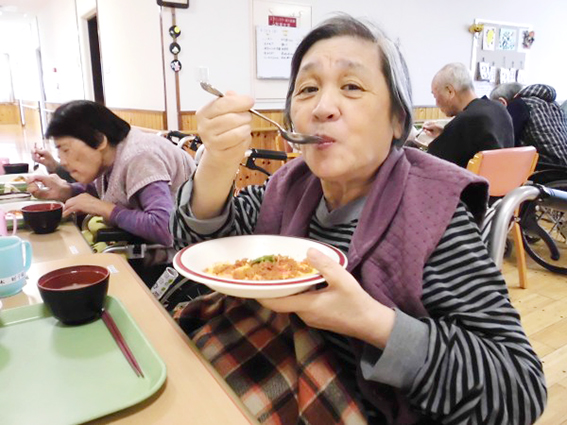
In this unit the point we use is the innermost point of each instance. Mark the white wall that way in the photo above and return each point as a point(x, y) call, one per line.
point(61, 59)
point(430, 35)
point(218, 35)
point(18, 39)
point(130, 45)
point(215, 35)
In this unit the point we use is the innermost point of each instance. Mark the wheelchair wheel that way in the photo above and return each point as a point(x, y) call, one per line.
point(549, 251)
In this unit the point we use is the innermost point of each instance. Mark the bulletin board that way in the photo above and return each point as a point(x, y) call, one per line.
point(271, 69)
point(275, 46)
point(499, 55)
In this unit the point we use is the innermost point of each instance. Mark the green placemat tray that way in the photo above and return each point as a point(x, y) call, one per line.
point(56, 374)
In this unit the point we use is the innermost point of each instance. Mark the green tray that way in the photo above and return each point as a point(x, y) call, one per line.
point(56, 374)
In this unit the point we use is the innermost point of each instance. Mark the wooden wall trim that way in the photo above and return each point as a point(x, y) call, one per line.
point(188, 122)
point(155, 120)
point(9, 113)
point(265, 136)
point(30, 104)
point(424, 113)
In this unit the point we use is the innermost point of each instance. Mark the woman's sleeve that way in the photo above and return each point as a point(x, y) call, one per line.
point(475, 365)
point(238, 217)
point(78, 188)
point(150, 222)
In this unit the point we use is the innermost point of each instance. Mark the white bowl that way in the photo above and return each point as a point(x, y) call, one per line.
point(193, 260)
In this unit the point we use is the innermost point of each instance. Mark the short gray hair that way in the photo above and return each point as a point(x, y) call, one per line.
point(394, 67)
point(506, 90)
point(455, 74)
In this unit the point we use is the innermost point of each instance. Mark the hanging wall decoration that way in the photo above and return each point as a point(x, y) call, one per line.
point(175, 48)
point(529, 37)
point(176, 65)
point(484, 70)
point(174, 31)
point(488, 38)
point(507, 39)
point(476, 28)
point(181, 4)
point(498, 55)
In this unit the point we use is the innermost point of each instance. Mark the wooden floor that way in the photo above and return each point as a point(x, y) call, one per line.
point(543, 305)
point(543, 308)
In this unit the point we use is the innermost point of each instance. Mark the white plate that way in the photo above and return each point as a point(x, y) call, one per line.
point(193, 260)
point(14, 197)
point(9, 178)
point(17, 206)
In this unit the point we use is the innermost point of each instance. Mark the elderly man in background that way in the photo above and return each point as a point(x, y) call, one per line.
point(479, 123)
point(538, 120)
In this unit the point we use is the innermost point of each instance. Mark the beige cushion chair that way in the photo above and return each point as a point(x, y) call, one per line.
point(506, 169)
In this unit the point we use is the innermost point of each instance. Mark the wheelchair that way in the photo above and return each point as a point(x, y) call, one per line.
point(135, 249)
point(544, 223)
point(105, 239)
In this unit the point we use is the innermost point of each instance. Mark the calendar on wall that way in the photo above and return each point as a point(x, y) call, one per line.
point(499, 54)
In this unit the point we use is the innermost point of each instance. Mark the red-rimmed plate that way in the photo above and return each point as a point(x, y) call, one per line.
point(193, 260)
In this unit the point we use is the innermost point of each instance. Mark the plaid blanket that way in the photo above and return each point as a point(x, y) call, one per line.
point(280, 368)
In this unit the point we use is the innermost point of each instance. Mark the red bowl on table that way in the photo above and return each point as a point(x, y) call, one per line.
point(44, 217)
point(75, 294)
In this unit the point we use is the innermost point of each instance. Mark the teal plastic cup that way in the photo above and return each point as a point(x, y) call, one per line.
point(15, 261)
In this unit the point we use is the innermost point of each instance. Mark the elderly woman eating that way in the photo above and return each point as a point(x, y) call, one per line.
point(419, 328)
point(126, 176)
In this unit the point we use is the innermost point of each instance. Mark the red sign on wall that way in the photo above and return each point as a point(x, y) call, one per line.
point(282, 21)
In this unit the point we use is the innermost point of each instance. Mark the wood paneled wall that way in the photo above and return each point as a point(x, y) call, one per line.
point(424, 113)
point(189, 122)
point(9, 113)
point(264, 136)
point(31, 116)
point(154, 120)
point(141, 118)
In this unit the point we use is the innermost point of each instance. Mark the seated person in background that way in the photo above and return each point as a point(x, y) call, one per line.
point(538, 119)
point(478, 125)
point(44, 157)
point(419, 328)
point(126, 176)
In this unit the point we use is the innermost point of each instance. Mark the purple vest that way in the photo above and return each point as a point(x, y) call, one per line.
point(407, 211)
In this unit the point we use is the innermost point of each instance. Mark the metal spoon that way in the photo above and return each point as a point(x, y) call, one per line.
point(35, 164)
point(291, 136)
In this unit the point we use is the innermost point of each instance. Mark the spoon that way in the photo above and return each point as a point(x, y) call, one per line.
point(291, 136)
point(35, 164)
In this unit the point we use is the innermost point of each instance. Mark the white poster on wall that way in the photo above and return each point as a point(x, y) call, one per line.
point(275, 46)
point(525, 39)
point(271, 92)
point(488, 38)
point(507, 39)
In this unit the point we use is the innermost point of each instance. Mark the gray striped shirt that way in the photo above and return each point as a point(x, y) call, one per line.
point(469, 362)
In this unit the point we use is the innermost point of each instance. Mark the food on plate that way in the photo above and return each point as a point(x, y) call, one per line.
point(13, 187)
point(18, 179)
point(17, 213)
point(268, 267)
